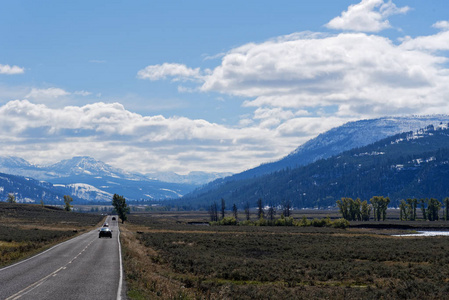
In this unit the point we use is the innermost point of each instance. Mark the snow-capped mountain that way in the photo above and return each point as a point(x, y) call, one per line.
point(14, 162)
point(85, 165)
point(337, 140)
point(92, 180)
point(348, 136)
point(413, 164)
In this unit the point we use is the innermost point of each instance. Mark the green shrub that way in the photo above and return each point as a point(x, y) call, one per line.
point(318, 222)
point(261, 222)
point(246, 223)
point(228, 221)
point(289, 221)
point(304, 222)
point(340, 223)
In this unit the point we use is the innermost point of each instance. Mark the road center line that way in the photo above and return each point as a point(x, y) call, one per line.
point(32, 286)
point(42, 280)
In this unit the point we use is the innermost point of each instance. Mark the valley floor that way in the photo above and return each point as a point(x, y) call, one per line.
point(165, 257)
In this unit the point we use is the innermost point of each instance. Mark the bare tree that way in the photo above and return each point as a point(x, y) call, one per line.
point(223, 207)
point(235, 211)
point(247, 211)
point(260, 212)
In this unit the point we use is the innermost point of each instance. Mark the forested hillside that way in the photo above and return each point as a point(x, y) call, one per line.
point(412, 164)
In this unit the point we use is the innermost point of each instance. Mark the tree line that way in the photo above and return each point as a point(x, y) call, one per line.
point(430, 209)
point(266, 216)
point(357, 210)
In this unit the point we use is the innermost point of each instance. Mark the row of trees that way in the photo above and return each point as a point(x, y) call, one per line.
point(357, 210)
point(430, 209)
point(270, 214)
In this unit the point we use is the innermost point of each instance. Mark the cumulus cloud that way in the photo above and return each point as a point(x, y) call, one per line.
point(174, 71)
point(305, 83)
point(128, 140)
point(367, 16)
point(437, 42)
point(443, 25)
point(11, 70)
point(361, 74)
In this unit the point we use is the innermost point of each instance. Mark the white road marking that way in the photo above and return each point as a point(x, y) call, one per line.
point(32, 286)
point(42, 280)
point(119, 291)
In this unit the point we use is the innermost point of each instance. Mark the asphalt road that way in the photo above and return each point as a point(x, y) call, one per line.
point(85, 267)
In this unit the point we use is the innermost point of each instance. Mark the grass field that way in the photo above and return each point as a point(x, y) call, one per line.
point(27, 229)
point(167, 258)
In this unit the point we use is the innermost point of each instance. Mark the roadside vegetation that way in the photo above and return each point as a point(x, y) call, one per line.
point(167, 257)
point(26, 229)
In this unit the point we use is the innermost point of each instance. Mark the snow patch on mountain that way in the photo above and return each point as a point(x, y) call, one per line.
point(88, 192)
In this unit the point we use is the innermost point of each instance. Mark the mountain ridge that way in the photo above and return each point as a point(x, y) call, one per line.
point(407, 165)
point(342, 138)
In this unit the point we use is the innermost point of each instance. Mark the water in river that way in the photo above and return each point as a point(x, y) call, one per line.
point(426, 233)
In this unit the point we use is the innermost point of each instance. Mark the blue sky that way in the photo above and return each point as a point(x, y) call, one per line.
point(210, 86)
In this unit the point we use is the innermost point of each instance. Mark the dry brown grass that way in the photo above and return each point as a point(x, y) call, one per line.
point(147, 276)
point(29, 229)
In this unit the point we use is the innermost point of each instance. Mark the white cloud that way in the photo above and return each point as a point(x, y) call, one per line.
point(175, 71)
point(367, 16)
point(439, 41)
point(11, 70)
point(443, 25)
point(305, 83)
point(358, 74)
point(109, 132)
point(46, 93)
point(82, 93)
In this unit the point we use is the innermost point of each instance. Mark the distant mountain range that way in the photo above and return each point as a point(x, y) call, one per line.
point(91, 180)
point(255, 183)
point(87, 179)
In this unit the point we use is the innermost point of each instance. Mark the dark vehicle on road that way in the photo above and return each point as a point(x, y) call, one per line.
point(113, 219)
point(105, 225)
point(105, 232)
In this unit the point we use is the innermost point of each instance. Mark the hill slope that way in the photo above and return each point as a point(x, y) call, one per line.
point(402, 166)
point(343, 138)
